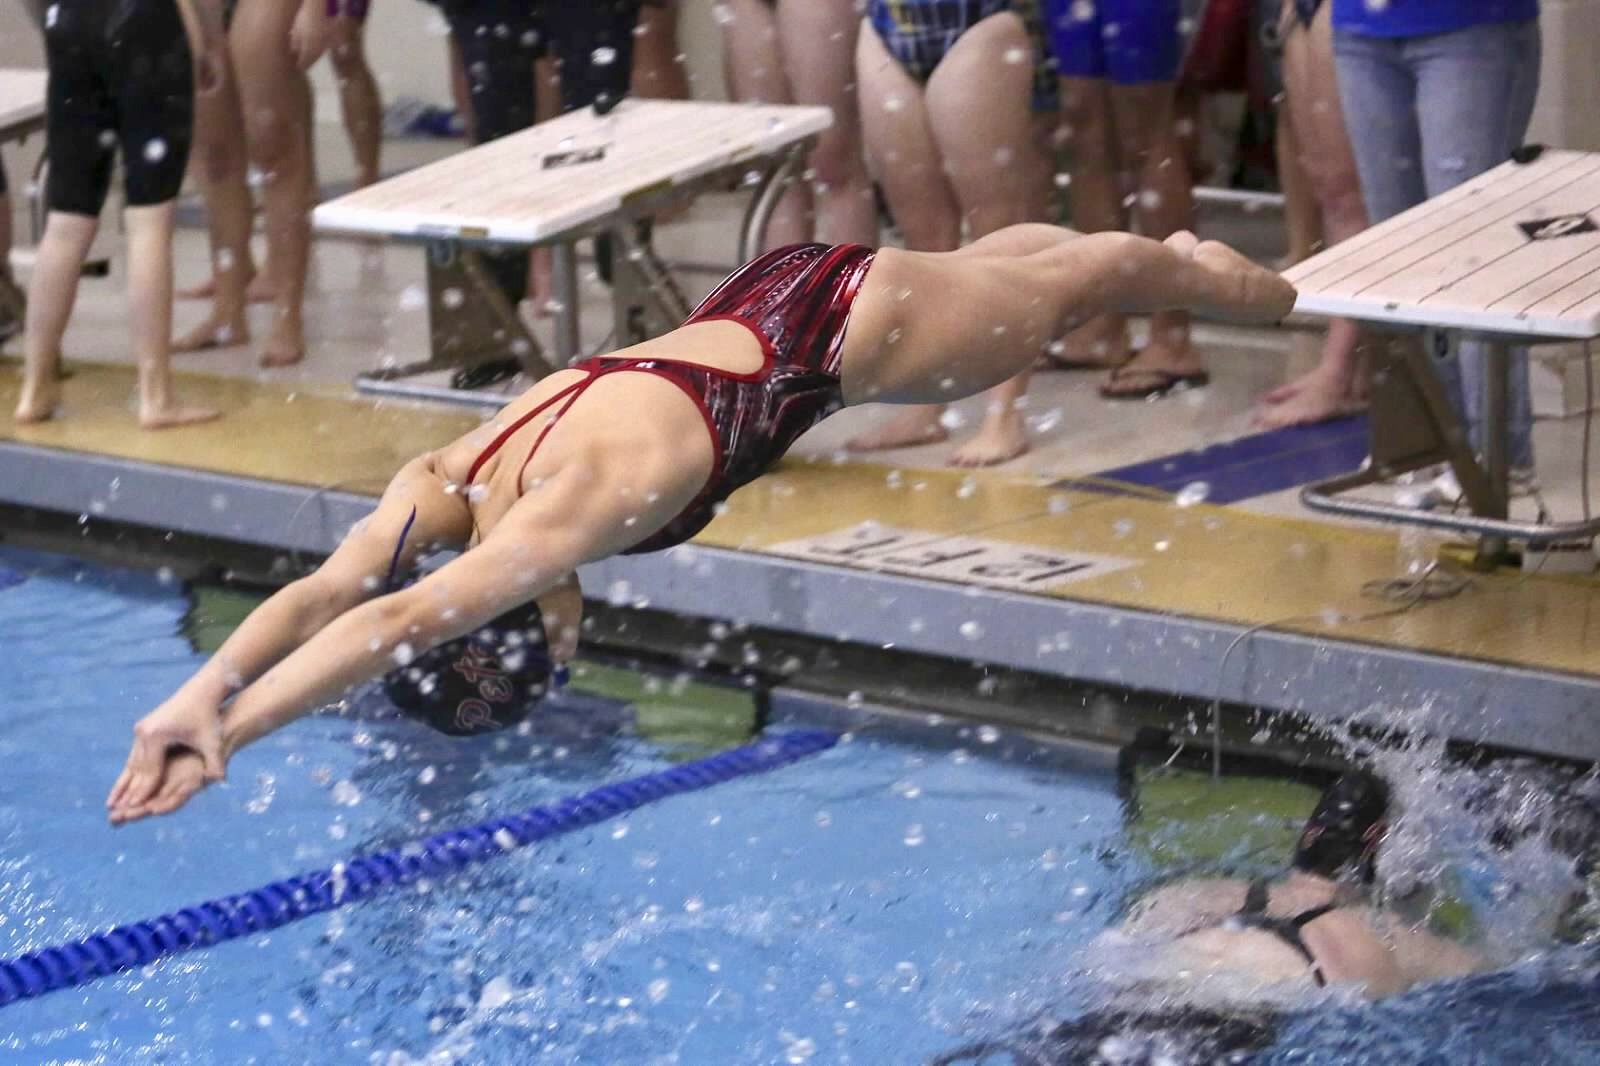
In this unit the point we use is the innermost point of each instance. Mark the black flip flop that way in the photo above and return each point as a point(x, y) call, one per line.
point(485, 374)
point(1162, 383)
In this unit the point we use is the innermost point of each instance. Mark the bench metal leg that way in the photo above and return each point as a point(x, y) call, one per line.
point(565, 284)
point(1415, 426)
point(470, 321)
point(1492, 422)
point(646, 299)
point(774, 183)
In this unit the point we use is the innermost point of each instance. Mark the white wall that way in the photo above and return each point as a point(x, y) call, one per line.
point(1568, 112)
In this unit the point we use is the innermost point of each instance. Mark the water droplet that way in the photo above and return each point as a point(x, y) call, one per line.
point(346, 794)
point(971, 629)
point(496, 994)
point(915, 835)
point(603, 57)
point(1192, 493)
point(452, 298)
point(404, 653)
point(1015, 56)
point(155, 150)
point(800, 1050)
point(988, 734)
point(413, 298)
point(658, 989)
point(893, 104)
point(619, 830)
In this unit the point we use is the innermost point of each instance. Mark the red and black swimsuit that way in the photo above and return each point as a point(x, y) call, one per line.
point(796, 301)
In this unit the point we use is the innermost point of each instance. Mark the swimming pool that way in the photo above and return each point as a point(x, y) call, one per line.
point(879, 903)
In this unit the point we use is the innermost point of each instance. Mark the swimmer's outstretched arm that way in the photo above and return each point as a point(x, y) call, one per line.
point(546, 535)
point(190, 719)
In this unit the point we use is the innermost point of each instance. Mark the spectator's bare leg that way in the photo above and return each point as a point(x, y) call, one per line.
point(358, 97)
point(905, 154)
point(150, 317)
point(753, 59)
point(219, 162)
point(1337, 385)
point(1096, 199)
point(1147, 141)
point(978, 107)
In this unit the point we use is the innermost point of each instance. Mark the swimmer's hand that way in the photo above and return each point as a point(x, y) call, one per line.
point(177, 748)
point(182, 775)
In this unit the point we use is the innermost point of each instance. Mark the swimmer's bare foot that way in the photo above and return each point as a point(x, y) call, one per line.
point(909, 428)
point(287, 344)
point(1002, 437)
point(217, 331)
point(1239, 289)
point(39, 399)
point(1099, 344)
point(170, 415)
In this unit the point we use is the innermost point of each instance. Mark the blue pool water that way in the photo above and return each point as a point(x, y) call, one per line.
point(879, 903)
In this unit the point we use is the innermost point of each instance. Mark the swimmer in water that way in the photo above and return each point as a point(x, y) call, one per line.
point(633, 451)
point(1223, 959)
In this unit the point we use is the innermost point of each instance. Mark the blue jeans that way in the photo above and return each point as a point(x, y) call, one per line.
point(1426, 114)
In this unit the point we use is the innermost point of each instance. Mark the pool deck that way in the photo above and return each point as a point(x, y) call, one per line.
point(1129, 588)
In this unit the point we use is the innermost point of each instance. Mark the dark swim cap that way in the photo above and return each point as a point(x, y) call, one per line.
point(481, 683)
point(1343, 833)
point(1187, 1035)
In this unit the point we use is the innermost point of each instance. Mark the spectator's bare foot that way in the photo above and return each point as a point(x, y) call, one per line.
point(1002, 437)
point(1315, 397)
point(260, 290)
point(287, 344)
point(39, 399)
point(171, 415)
point(909, 428)
point(257, 291)
point(541, 283)
point(217, 331)
point(1099, 344)
point(1242, 290)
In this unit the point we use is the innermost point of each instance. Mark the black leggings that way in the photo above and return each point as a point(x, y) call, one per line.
point(499, 41)
point(121, 75)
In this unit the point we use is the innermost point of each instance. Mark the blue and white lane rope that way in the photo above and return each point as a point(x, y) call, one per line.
point(281, 902)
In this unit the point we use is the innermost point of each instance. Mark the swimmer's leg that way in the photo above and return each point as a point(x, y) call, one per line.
point(931, 327)
point(52, 291)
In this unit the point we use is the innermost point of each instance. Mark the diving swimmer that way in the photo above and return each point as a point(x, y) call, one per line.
point(633, 452)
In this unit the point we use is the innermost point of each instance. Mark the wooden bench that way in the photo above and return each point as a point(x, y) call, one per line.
point(1510, 257)
point(575, 176)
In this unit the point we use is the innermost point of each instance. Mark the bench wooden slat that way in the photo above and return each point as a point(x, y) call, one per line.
point(1464, 259)
point(504, 190)
point(22, 96)
point(1374, 244)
